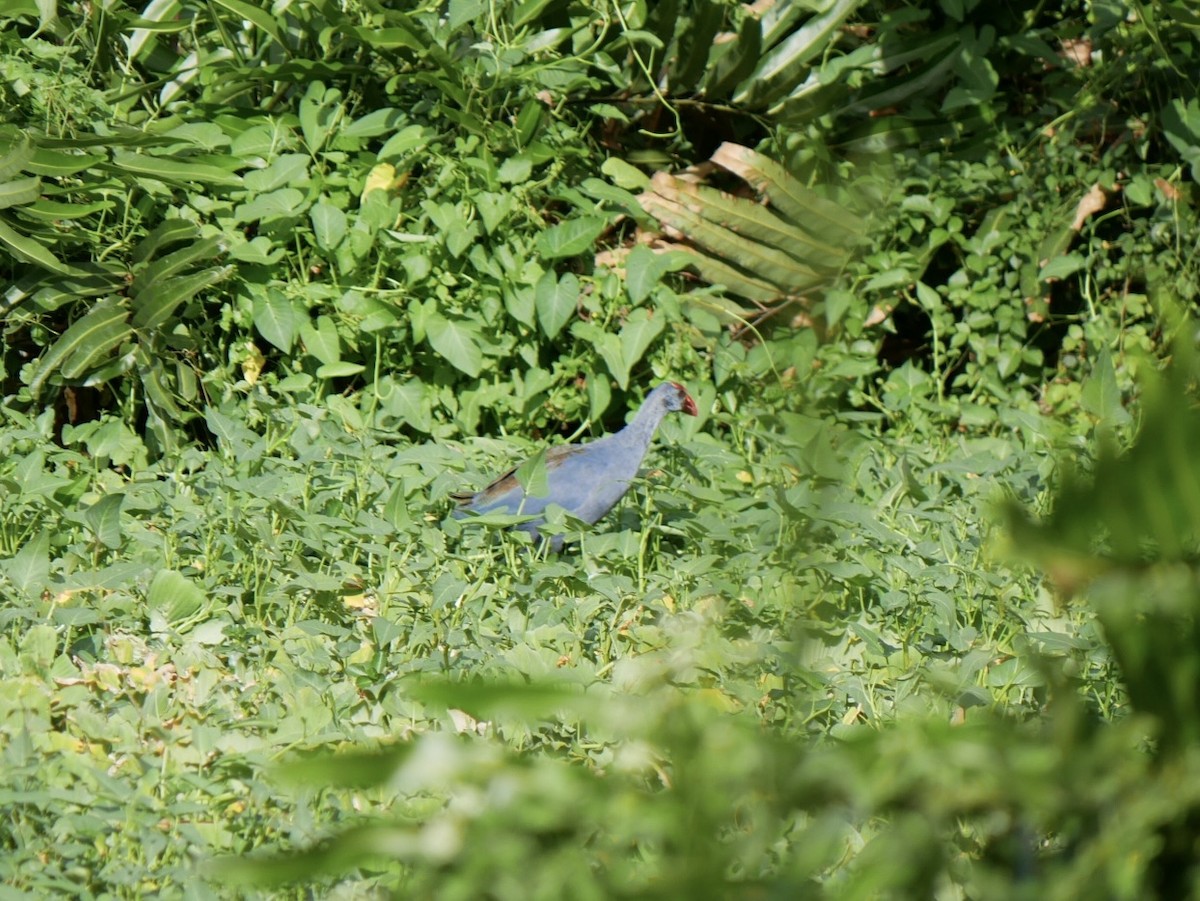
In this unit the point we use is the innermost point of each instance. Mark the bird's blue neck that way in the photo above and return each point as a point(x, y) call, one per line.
point(640, 432)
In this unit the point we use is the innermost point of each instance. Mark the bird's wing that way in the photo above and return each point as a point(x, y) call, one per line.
point(506, 491)
point(590, 483)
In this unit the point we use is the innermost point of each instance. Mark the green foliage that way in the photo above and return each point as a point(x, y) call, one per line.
point(271, 275)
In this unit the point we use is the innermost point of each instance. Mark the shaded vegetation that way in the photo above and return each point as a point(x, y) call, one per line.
point(281, 280)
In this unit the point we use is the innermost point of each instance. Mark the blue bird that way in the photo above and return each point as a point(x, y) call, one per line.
point(586, 480)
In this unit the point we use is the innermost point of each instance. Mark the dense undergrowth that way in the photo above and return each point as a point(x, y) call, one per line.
point(281, 281)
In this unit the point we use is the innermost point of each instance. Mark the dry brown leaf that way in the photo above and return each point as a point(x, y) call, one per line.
point(878, 314)
point(1169, 191)
point(1077, 51)
point(1093, 202)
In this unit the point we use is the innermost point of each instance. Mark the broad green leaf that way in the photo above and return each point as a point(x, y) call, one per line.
point(170, 232)
point(520, 303)
point(277, 319)
point(1062, 266)
point(765, 262)
point(374, 124)
point(286, 170)
point(457, 342)
point(155, 304)
point(607, 345)
point(643, 270)
point(32, 252)
point(280, 204)
point(786, 64)
point(1101, 396)
point(599, 393)
point(20, 192)
point(167, 267)
point(256, 15)
point(16, 156)
point(179, 171)
point(321, 340)
point(515, 170)
point(532, 475)
point(930, 300)
point(802, 205)
point(29, 568)
point(637, 334)
point(104, 519)
point(405, 141)
point(54, 211)
point(616, 197)
point(339, 370)
point(1180, 123)
point(494, 208)
point(329, 225)
point(624, 175)
point(407, 401)
point(556, 301)
point(98, 332)
point(173, 599)
point(320, 110)
point(718, 272)
point(234, 437)
point(55, 164)
point(570, 238)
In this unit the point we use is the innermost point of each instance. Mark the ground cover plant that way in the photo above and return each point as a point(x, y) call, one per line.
point(908, 610)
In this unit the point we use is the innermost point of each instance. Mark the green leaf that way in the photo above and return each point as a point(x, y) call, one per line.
point(165, 268)
point(374, 124)
point(286, 170)
point(170, 232)
point(457, 342)
point(29, 568)
point(570, 238)
point(329, 225)
point(235, 438)
point(405, 141)
point(20, 192)
point(320, 108)
point(178, 171)
point(155, 304)
point(31, 251)
point(643, 270)
point(1101, 396)
point(556, 301)
point(54, 211)
point(624, 175)
point(638, 333)
point(103, 328)
point(55, 164)
point(532, 475)
point(104, 519)
point(515, 170)
point(17, 155)
point(607, 345)
point(1062, 266)
point(277, 319)
point(281, 204)
point(786, 64)
point(321, 340)
point(340, 369)
point(173, 599)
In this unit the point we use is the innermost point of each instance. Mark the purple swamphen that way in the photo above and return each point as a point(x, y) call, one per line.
point(586, 480)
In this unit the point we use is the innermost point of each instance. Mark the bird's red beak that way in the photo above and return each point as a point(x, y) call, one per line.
point(689, 405)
